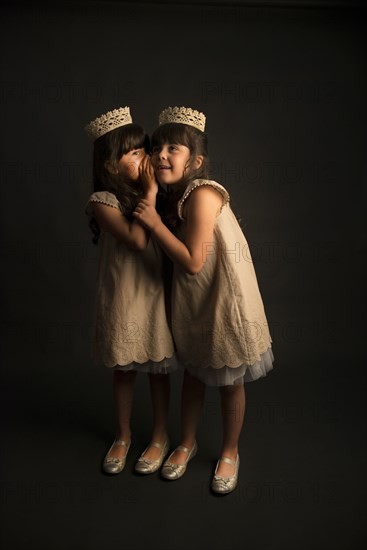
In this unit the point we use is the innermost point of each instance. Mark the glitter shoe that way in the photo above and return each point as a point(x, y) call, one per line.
point(224, 485)
point(150, 465)
point(175, 471)
point(113, 465)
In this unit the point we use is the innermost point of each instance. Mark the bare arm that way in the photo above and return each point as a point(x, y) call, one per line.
point(111, 219)
point(202, 208)
point(133, 234)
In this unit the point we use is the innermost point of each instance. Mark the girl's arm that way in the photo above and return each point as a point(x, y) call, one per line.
point(133, 234)
point(113, 221)
point(201, 209)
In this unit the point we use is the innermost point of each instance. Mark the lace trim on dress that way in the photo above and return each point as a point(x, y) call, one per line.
point(200, 183)
point(100, 201)
point(102, 197)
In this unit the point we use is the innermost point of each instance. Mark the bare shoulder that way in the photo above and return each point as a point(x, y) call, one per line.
point(204, 193)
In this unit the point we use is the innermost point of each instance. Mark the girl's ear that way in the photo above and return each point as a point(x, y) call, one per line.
point(198, 161)
point(110, 168)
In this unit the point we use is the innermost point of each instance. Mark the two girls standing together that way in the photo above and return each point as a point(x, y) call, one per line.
point(153, 201)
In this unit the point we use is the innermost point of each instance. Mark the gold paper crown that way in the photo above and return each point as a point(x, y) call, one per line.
point(183, 115)
point(107, 122)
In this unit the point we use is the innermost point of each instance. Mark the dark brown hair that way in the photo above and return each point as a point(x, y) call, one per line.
point(197, 142)
point(109, 148)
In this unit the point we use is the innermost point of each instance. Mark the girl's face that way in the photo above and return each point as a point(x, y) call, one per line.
point(169, 162)
point(128, 165)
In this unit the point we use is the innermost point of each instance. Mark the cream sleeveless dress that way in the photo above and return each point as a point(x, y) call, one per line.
point(130, 329)
point(218, 319)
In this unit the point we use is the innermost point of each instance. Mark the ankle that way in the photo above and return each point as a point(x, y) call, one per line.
point(188, 443)
point(123, 436)
point(159, 436)
point(230, 452)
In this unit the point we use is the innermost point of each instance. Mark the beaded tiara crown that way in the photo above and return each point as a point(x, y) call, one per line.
point(183, 115)
point(107, 122)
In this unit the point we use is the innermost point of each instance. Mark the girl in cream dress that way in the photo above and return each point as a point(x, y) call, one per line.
point(218, 319)
point(131, 332)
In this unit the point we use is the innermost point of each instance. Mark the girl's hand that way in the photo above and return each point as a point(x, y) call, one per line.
point(147, 178)
point(147, 215)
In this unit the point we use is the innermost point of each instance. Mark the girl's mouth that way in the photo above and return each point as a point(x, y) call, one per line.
point(164, 167)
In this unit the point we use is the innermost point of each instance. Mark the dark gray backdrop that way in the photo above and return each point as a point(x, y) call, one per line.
point(283, 86)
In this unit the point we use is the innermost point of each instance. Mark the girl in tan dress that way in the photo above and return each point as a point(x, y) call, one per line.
point(131, 333)
point(218, 319)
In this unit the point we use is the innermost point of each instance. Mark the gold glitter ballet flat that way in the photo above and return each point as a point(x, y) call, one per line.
point(224, 485)
point(150, 465)
point(175, 471)
point(113, 465)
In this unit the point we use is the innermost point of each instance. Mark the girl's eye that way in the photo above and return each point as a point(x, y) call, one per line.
point(137, 153)
point(172, 148)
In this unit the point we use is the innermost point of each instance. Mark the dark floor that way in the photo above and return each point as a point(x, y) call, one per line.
point(301, 484)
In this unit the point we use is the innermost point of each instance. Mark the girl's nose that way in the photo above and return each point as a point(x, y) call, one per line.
point(163, 152)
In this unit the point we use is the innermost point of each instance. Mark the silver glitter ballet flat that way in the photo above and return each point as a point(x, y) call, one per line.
point(113, 465)
point(224, 485)
point(150, 465)
point(175, 471)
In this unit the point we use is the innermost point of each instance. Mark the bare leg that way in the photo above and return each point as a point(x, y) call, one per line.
point(159, 390)
point(123, 386)
point(193, 393)
point(233, 412)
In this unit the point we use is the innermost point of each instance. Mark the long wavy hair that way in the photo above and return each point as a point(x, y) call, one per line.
point(197, 142)
point(109, 148)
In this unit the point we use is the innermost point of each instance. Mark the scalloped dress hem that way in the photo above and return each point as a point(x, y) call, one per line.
point(165, 366)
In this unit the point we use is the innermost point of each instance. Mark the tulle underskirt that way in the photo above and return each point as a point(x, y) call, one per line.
point(166, 366)
point(225, 376)
point(228, 376)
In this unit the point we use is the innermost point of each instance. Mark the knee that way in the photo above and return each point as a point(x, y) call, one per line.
point(232, 390)
point(157, 376)
point(125, 376)
point(193, 383)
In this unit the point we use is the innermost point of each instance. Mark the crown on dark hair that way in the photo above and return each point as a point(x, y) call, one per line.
point(107, 122)
point(183, 115)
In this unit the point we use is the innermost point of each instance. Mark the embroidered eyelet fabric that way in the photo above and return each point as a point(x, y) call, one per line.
point(130, 329)
point(218, 318)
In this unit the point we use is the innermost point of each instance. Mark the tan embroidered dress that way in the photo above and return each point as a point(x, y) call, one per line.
point(218, 318)
point(130, 328)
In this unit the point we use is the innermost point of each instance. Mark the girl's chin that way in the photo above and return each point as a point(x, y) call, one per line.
point(163, 181)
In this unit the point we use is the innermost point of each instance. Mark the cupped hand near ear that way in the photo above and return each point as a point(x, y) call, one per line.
point(146, 175)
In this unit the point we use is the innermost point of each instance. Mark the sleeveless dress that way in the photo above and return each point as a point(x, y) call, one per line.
point(218, 319)
point(130, 329)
